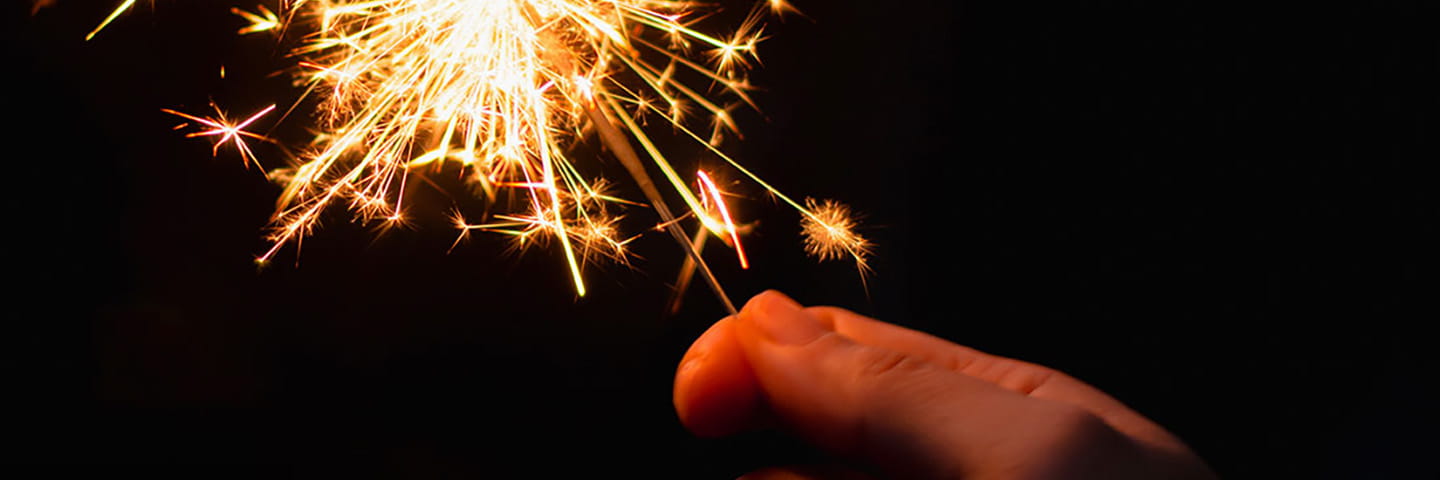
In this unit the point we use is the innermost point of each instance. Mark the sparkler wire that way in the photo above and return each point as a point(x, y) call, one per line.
point(622, 149)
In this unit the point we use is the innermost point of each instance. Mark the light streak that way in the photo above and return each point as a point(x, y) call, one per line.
point(707, 186)
point(233, 132)
point(262, 20)
point(113, 15)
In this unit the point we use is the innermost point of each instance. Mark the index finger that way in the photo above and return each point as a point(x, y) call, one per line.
point(1022, 377)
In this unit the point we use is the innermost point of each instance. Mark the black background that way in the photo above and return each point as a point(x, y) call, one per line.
point(1217, 213)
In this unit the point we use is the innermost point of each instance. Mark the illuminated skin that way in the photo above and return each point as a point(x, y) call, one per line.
point(902, 404)
point(504, 88)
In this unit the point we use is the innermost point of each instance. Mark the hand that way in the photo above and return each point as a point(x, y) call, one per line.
point(898, 403)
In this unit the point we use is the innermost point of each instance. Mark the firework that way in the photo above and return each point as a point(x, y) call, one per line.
point(505, 89)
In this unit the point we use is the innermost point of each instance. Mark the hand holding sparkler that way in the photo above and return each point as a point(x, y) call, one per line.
point(908, 405)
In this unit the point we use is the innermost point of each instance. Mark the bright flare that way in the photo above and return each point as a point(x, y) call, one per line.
point(830, 233)
point(504, 88)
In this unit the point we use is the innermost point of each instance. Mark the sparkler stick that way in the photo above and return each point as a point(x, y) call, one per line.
point(687, 271)
point(622, 149)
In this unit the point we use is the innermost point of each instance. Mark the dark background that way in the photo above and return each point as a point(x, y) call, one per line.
point(1216, 213)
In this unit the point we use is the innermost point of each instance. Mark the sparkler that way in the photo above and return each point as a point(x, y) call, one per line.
point(504, 88)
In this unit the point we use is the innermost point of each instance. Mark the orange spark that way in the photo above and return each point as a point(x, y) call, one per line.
point(226, 130)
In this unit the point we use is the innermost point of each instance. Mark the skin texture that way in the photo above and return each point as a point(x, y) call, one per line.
point(889, 402)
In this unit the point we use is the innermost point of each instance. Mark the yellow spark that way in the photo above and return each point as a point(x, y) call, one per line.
point(830, 233)
point(227, 131)
point(113, 15)
point(260, 21)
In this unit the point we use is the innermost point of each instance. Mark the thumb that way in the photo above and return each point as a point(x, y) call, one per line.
point(887, 409)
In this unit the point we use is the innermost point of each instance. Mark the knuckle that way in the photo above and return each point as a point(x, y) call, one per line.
point(885, 365)
point(1026, 378)
point(885, 380)
point(1074, 429)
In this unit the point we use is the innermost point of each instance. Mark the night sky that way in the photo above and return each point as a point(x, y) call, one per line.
point(1217, 213)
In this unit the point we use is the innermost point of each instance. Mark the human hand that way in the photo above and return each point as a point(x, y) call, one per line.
point(898, 403)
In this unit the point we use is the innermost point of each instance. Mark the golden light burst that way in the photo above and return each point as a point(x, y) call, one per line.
point(830, 233)
point(504, 89)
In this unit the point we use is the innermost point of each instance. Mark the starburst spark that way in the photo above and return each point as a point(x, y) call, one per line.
point(228, 131)
point(505, 88)
point(830, 233)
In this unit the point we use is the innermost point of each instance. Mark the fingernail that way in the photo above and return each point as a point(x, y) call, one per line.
point(695, 356)
point(684, 376)
point(782, 320)
point(689, 364)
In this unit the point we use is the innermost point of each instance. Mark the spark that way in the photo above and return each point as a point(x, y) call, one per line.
point(830, 233)
point(262, 20)
point(113, 15)
point(707, 186)
point(505, 89)
point(781, 7)
point(233, 132)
